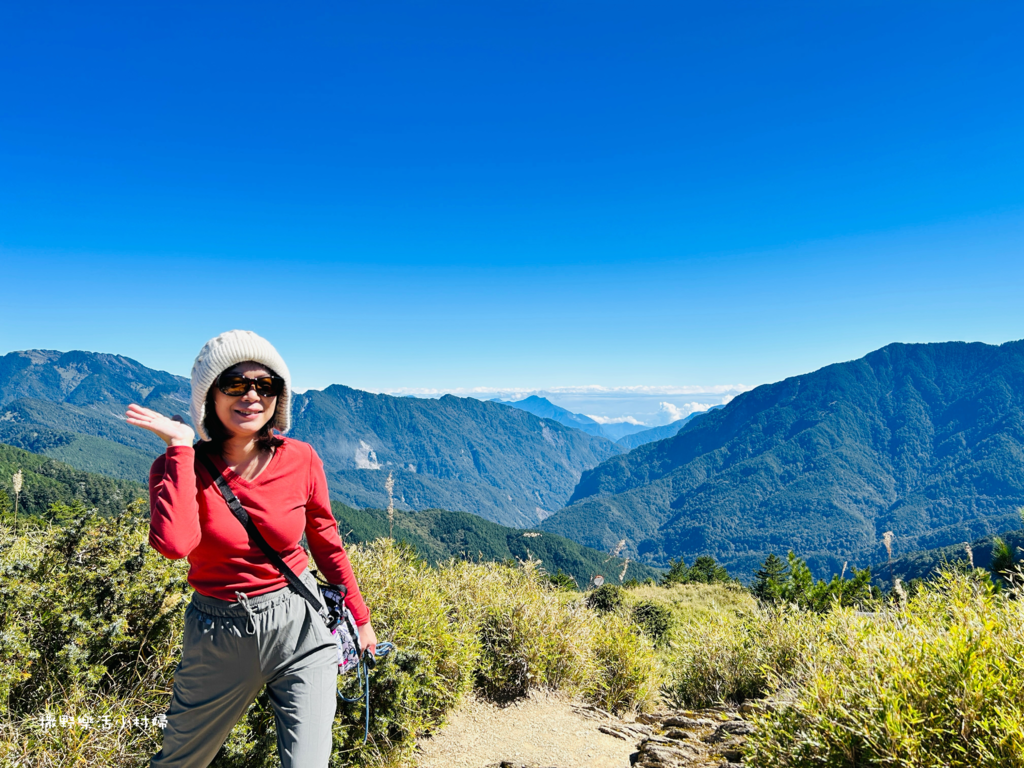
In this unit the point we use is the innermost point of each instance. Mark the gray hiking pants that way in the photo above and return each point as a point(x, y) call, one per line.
point(230, 651)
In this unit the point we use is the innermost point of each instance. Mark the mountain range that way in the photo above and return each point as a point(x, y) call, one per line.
point(625, 435)
point(635, 440)
point(541, 406)
point(924, 440)
point(70, 406)
point(501, 463)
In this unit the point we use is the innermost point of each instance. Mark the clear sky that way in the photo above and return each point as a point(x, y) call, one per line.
point(527, 195)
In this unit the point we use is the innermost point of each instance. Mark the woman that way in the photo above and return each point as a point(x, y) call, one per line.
point(245, 627)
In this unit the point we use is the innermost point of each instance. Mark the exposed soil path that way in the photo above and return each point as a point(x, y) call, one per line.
point(546, 729)
point(549, 730)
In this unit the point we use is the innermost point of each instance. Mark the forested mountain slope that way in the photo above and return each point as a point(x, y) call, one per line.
point(925, 440)
point(439, 535)
point(45, 481)
point(501, 463)
point(923, 563)
point(70, 406)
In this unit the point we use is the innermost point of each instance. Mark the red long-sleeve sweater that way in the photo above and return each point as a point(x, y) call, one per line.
point(289, 497)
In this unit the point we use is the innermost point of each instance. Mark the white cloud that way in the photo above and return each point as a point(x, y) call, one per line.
point(676, 412)
point(365, 456)
point(641, 405)
point(519, 393)
point(616, 420)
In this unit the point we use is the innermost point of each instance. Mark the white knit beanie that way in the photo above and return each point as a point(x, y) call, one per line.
point(226, 350)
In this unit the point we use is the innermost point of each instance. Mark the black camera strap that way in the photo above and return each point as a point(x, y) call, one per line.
point(254, 534)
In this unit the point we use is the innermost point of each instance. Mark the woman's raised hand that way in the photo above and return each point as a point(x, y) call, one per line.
point(172, 431)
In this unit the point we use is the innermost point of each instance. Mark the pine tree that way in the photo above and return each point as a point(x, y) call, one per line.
point(677, 573)
point(798, 587)
point(770, 579)
point(706, 570)
point(1002, 558)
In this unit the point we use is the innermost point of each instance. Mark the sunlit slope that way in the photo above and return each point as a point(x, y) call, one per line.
point(438, 535)
point(45, 481)
point(925, 440)
point(501, 463)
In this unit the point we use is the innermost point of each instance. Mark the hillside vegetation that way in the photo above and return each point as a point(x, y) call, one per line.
point(926, 441)
point(438, 535)
point(83, 452)
point(925, 563)
point(46, 482)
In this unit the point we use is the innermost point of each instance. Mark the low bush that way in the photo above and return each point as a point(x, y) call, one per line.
point(653, 618)
point(728, 659)
point(629, 675)
point(606, 598)
point(564, 581)
point(90, 631)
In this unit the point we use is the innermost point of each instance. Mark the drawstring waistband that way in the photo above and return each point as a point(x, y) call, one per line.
point(213, 606)
point(250, 625)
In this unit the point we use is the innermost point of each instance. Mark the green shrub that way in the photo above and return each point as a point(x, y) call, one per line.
point(606, 598)
point(563, 581)
point(628, 672)
point(90, 626)
point(705, 570)
point(653, 618)
point(718, 662)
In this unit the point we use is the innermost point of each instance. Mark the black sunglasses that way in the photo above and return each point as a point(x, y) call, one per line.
point(236, 385)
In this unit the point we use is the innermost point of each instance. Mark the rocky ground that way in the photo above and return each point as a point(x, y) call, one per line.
point(550, 731)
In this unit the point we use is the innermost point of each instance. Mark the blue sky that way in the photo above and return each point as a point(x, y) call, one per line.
point(516, 196)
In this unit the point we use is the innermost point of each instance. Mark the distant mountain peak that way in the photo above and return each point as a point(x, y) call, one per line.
point(39, 356)
point(924, 440)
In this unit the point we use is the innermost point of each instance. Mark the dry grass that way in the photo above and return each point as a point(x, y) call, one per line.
point(935, 682)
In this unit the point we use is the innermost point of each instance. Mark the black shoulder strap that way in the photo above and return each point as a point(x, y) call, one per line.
point(254, 533)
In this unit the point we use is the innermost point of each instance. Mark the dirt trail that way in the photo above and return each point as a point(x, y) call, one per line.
point(546, 729)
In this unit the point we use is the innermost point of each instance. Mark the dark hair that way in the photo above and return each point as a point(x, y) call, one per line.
point(265, 438)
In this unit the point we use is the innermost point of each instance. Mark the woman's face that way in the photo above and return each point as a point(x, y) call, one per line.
point(245, 416)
